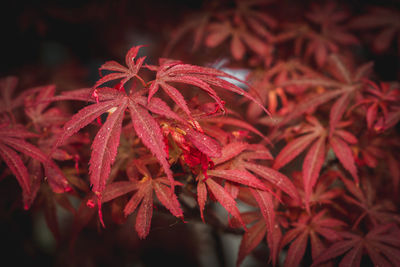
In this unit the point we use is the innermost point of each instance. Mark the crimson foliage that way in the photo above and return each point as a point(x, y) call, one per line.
point(303, 154)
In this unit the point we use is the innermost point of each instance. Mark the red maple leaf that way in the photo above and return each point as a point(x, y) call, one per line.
point(220, 31)
point(379, 101)
point(172, 71)
point(263, 223)
point(105, 144)
point(386, 20)
point(235, 170)
point(121, 72)
point(13, 140)
point(144, 197)
point(116, 102)
point(377, 211)
point(381, 244)
point(8, 102)
point(332, 33)
point(342, 82)
point(315, 136)
point(36, 107)
point(310, 227)
point(196, 23)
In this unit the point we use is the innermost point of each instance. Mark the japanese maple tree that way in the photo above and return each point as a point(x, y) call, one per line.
point(274, 111)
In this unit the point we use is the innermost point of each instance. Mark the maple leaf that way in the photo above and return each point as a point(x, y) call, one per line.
point(8, 102)
point(310, 227)
point(364, 197)
point(70, 148)
point(271, 87)
point(13, 140)
point(339, 141)
point(265, 203)
point(230, 151)
point(372, 152)
point(340, 125)
point(384, 19)
point(251, 13)
point(105, 144)
point(351, 80)
point(314, 136)
point(380, 100)
point(233, 171)
point(211, 124)
point(196, 23)
point(317, 44)
point(264, 223)
point(274, 96)
point(324, 193)
point(320, 46)
point(220, 194)
point(246, 25)
point(369, 152)
point(116, 101)
point(36, 108)
point(254, 235)
point(343, 82)
point(328, 13)
point(323, 42)
point(236, 169)
point(121, 72)
point(245, 159)
point(201, 77)
point(220, 31)
point(252, 27)
point(381, 244)
point(284, 71)
point(271, 176)
point(392, 119)
point(144, 197)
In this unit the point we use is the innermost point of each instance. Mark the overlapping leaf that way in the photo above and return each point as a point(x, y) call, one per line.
point(121, 72)
point(383, 19)
point(202, 77)
point(251, 238)
point(330, 18)
point(381, 244)
point(313, 228)
point(8, 102)
point(315, 135)
point(144, 198)
point(240, 36)
point(104, 147)
point(372, 210)
point(12, 140)
point(343, 82)
point(198, 147)
point(36, 108)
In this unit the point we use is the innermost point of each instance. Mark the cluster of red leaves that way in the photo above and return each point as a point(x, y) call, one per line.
point(13, 139)
point(245, 27)
point(327, 120)
point(319, 168)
